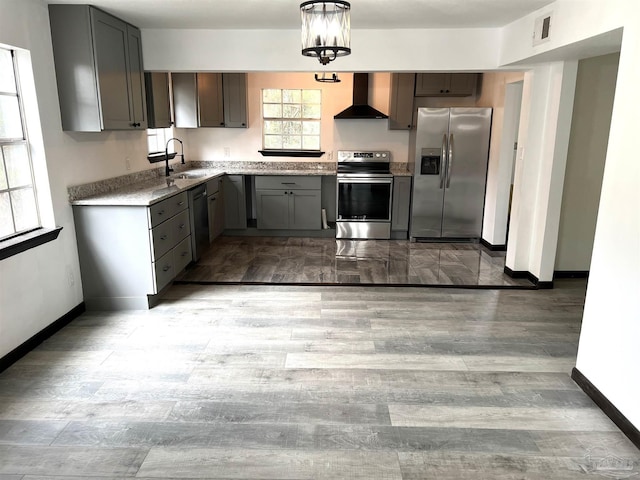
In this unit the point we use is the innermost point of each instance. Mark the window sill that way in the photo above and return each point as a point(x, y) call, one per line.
point(159, 157)
point(291, 153)
point(27, 241)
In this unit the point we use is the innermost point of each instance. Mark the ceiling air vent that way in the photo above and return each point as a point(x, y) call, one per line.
point(542, 29)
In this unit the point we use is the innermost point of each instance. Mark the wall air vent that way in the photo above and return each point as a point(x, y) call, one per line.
point(542, 29)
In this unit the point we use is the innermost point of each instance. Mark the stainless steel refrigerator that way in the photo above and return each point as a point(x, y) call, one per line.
point(451, 156)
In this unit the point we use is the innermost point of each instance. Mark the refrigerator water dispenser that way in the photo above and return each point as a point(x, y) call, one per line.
point(430, 161)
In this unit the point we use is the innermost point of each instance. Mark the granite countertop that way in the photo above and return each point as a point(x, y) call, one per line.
point(151, 186)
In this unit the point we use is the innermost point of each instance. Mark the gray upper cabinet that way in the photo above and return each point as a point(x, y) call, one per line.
point(401, 101)
point(98, 60)
point(158, 107)
point(235, 100)
point(210, 99)
point(445, 84)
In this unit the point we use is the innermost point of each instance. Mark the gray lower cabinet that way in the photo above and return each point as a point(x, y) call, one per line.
point(235, 203)
point(128, 254)
point(288, 202)
point(401, 204)
point(215, 204)
point(98, 63)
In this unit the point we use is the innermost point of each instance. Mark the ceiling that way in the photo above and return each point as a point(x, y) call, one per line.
point(285, 14)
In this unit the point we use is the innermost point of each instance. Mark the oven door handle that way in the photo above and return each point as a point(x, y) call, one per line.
point(387, 181)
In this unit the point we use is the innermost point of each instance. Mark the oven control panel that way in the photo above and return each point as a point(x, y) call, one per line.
point(363, 156)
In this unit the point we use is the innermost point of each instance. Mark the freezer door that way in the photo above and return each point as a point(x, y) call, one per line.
point(430, 167)
point(465, 179)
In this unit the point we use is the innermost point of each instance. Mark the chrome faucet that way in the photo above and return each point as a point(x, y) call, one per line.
point(167, 169)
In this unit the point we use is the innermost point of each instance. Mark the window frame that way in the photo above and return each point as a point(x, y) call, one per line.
point(34, 236)
point(24, 140)
point(296, 152)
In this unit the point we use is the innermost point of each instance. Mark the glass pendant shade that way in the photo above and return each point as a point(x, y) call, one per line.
point(326, 30)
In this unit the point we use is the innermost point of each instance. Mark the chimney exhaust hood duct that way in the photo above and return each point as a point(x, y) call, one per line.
point(360, 108)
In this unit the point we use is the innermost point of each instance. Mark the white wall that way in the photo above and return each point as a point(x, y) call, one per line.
point(595, 89)
point(279, 50)
point(35, 285)
point(542, 147)
point(608, 353)
point(209, 143)
point(499, 174)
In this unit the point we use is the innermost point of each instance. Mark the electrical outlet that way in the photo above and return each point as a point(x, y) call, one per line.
point(330, 156)
point(227, 152)
point(127, 163)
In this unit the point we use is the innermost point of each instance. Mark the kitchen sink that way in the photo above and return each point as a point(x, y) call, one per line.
point(186, 175)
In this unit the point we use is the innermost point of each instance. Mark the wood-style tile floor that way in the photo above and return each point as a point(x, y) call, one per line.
point(325, 261)
point(309, 382)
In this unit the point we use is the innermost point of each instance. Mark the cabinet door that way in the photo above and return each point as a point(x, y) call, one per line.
point(304, 210)
point(137, 97)
point(210, 101)
point(272, 209)
point(401, 203)
point(401, 101)
point(432, 84)
point(110, 51)
point(185, 100)
point(235, 99)
point(235, 205)
point(216, 216)
point(158, 107)
point(463, 84)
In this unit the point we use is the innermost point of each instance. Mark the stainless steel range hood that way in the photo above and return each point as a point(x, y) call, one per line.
point(360, 108)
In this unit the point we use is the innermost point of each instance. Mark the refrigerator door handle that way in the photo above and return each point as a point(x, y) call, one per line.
point(443, 159)
point(450, 162)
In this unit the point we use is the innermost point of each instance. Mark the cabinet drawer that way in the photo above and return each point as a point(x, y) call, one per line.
point(162, 240)
point(180, 226)
point(182, 254)
point(287, 182)
point(164, 269)
point(166, 209)
point(214, 185)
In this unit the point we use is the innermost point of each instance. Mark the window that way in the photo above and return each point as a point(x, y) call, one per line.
point(157, 140)
point(291, 119)
point(18, 202)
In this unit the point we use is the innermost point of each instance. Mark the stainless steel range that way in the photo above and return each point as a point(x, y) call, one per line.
point(365, 186)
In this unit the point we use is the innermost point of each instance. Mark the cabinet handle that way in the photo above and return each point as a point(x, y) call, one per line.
point(213, 199)
point(184, 254)
point(161, 212)
point(244, 124)
point(181, 226)
point(222, 124)
point(180, 204)
point(163, 237)
point(441, 91)
point(288, 183)
point(166, 268)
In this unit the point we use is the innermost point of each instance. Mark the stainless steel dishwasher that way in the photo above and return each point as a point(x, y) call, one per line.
point(199, 219)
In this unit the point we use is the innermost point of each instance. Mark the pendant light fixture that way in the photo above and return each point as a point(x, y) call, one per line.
point(326, 29)
point(324, 78)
